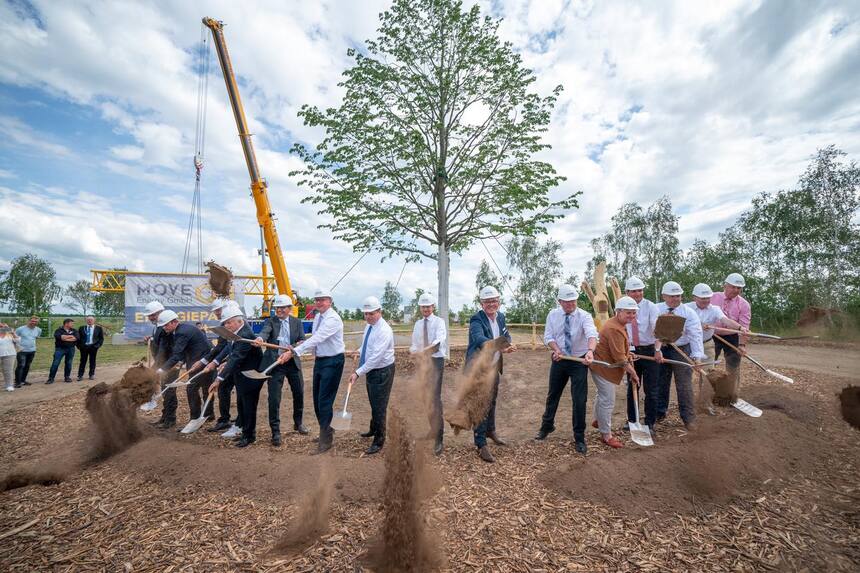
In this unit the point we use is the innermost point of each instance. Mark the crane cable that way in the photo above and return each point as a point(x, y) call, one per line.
point(195, 220)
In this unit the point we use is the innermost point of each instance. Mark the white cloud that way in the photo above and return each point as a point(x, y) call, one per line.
point(16, 132)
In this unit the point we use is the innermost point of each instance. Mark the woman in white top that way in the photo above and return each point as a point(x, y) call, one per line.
point(7, 356)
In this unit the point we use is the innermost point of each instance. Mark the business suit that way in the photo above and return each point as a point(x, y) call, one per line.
point(190, 345)
point(481, 332)
point(218, 354)
point(244, 356)
point(292, 371)
point(89, 347)
point(161, 347)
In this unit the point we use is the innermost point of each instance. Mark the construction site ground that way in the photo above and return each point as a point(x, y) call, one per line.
point(780, 492)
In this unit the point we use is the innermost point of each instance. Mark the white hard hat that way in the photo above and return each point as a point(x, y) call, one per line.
point(702, 290)
point(672, 288)
point(322, 293)
point(166, 316)
point(370, 304)
point(488, 292)
point(230, 311)
point(153, 307)
point(220, 303)
point(735, 279)
point(426, 299)
point(626, 303)
point(282, 300)
point(567, 292)
point(634, 283)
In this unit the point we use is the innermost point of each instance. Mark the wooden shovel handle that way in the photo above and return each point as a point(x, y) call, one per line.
point(265, 344)
point(738, 350)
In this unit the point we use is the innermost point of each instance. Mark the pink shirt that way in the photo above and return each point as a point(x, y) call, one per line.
point(738, 309)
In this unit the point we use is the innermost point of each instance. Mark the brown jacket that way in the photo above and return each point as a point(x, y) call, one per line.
point(612, 347)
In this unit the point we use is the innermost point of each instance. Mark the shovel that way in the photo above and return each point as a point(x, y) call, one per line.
point(197, 423)
point(747, 408)
point(678, 362)
point(767, 371)
point(233, 337)
point(256, 375)
point(600, 362)
point(639, 433)
point(153, 404)
point(341, 421)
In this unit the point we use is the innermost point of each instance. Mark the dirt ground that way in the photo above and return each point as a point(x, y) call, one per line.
point(776, 493)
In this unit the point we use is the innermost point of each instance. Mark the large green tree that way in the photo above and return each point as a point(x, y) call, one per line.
point(434, 145)
point(79, 296)
point(30, 286)
point(391, 302)
point(539, 272)
point(487, 277)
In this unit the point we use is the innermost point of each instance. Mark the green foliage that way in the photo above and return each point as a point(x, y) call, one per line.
point(437, 130)
point(79, 297)
point(539, 268)
point(465, 313)
point(391, 301)
point(30, 286)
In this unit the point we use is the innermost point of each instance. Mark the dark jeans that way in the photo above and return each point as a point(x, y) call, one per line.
point(437, 424)
point(559, 374)
point(276, 384)
point(59, 354)
point(327, 374)
point(683, 384)
point(224, 390)
point(379, 383)
point(248, 392)
point(649, 377)
point(733, 359)
point(171, 403)
point(22, 367)
point(489, 422)
point(88, 353)
point(197, 392)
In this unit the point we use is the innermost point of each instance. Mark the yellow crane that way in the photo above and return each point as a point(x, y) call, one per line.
point(259, 188)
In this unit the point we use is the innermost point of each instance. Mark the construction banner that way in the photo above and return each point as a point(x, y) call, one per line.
point(187, 295)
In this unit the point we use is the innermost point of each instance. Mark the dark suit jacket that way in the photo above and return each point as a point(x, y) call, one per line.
point(480, 332)
point(270, 332)
point(98, 336)
point(243, 355)
point(161, 349)
point(189, 345)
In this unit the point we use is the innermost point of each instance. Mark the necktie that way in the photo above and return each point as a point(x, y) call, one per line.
point(426, 336)
point(671, 311)
point(89, 334)
point(635, 330)
point(567, 342)
point(364, 346)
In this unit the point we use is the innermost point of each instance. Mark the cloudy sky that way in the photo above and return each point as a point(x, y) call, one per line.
point(709, 102)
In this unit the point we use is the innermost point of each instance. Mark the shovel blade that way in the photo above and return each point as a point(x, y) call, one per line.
point(225, 333)
point(149, 406)
point(747, 408)
point(254, 375)
point(342, 421)
point(641, 434)
point(193, 425)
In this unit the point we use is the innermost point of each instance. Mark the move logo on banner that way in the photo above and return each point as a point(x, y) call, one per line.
point(187, 295)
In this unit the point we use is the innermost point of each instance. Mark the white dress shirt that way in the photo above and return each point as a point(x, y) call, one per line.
point(709, 315)
point(326, 336)
point(692, 334)
point(436, 332)
point(646, 318)
point(379, 351)
point(581, 329)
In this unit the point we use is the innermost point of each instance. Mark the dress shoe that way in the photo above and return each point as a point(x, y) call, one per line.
point(373, 449)
point(437, 447)
point(92, 377)
point(496, 439)
point(276, 439)
point(542, 434)
point(167, 424)
point(219, 427)
point(300, 428)
point(68, 380)
point(612, 442)
point(581, 448)
point(80, 378)
point(484, 454)
point(367, 434)
point(322, 448)
point(25, 383)
point(691, 426)
point(244, 443)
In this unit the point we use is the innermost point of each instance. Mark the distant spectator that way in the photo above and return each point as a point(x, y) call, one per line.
point(90, 339)
point(200, 325)
point(27, 335)
point(65, 341)
point(7, 356)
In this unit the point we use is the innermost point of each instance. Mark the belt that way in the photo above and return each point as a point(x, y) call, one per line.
point(644, 347)
point(330, 356)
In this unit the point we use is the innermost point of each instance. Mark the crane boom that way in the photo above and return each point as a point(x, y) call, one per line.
point(259, 189)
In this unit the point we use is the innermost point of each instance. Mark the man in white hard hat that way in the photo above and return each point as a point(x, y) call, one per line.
point(327, 342)
point(569, 331)
point(429, 331)
point(160, 349)
point(738, 309)
point(242, 356)
point(283, 329)
point(690, 343)
point(376, 361)
point(614, 348)
point(710, 315)
point(640, 332)
point(216, 355)
point(484, 326)
point(187, 344)
point(152, 310)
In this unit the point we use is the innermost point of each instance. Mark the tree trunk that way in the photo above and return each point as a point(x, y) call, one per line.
point(443, 272)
